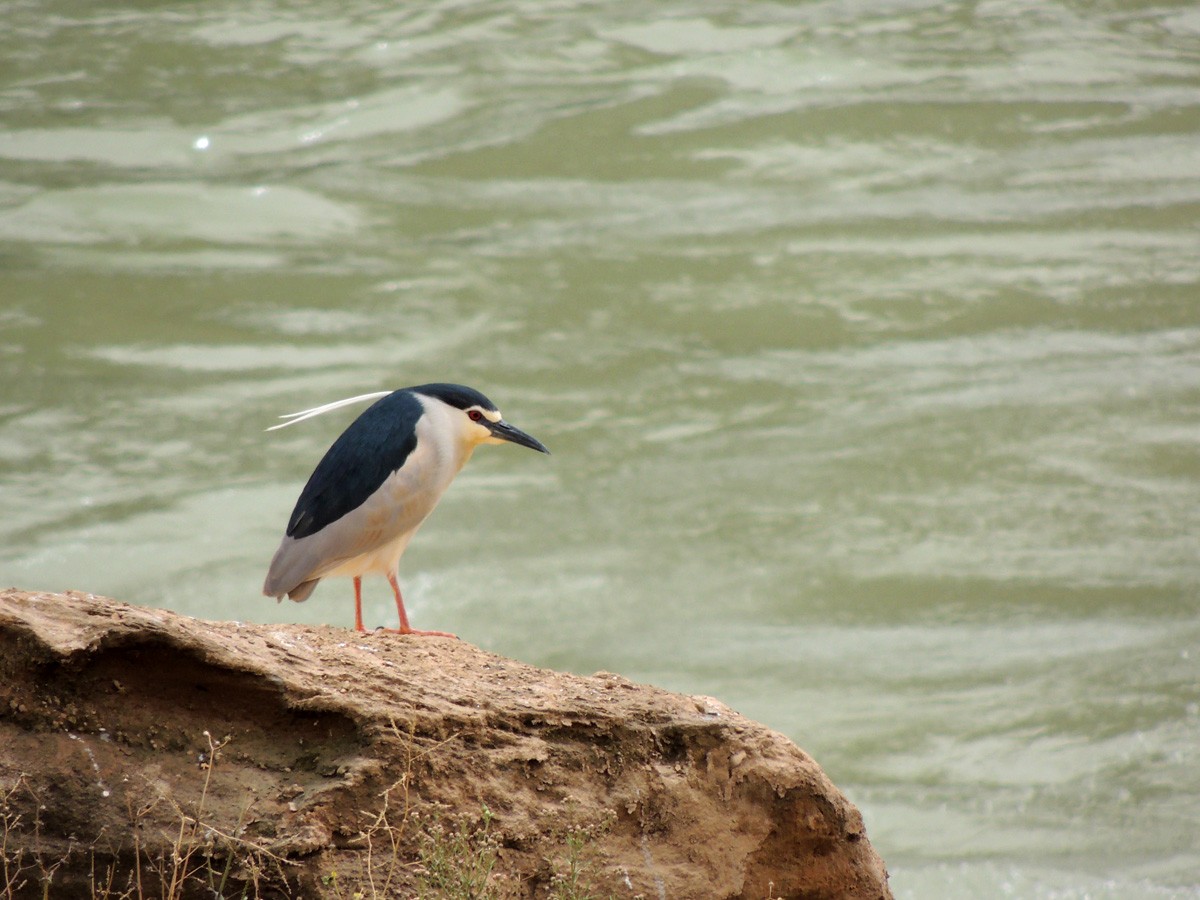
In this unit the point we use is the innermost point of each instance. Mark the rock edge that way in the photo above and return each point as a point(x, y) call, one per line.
point(290, 760)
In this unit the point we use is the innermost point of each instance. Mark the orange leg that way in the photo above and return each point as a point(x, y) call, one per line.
point(358, 625)
point(405, 628)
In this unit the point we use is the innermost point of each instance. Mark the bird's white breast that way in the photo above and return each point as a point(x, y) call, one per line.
point(375, 535)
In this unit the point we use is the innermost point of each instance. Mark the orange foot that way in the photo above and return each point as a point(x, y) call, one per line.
point(417, 632)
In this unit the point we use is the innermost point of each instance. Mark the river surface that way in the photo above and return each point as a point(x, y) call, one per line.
point(866, 337)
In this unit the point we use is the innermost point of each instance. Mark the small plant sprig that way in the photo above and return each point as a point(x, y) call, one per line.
point(573, 881)
point(457, 861)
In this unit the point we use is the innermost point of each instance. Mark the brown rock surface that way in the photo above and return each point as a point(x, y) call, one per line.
point(340, 765)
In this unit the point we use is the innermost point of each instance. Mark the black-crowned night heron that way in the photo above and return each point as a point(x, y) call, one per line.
point(374, 487)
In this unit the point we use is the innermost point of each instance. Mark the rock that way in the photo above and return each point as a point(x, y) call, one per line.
point(146, 752)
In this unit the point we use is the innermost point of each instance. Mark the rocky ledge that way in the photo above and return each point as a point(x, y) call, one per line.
point(148, 754)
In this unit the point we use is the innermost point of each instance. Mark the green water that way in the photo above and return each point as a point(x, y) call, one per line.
point(866, 338)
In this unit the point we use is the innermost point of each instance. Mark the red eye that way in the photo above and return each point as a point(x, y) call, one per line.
point(475, 415)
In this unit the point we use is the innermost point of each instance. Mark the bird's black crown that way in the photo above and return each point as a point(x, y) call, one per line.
point(456, 395)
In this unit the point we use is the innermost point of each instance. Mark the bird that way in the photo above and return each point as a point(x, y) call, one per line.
point(376, 485)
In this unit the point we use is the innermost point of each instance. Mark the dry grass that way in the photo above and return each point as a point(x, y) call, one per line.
point(22, 856)
point(402, 849)
point(203, 855)
point(200, 856)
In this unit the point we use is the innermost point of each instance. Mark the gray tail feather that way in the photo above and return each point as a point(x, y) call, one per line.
point(301, 591)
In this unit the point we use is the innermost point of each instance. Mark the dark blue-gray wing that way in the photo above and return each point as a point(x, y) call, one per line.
point(376, 444)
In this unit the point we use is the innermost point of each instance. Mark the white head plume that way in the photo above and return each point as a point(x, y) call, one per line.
point(295, 417)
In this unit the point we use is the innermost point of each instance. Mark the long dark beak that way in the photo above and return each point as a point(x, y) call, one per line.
point(507, 432)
